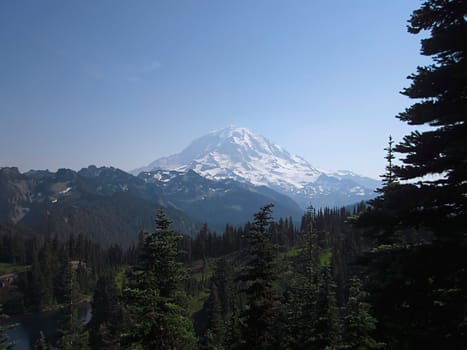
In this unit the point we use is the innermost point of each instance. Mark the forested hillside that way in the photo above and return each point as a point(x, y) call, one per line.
point(111, 206)
point(191, 292)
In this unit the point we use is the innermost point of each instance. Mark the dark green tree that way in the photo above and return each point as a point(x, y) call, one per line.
point(104, 327)
point(233, 331)
point(326, 332)
point(223, 279)
point(302, 294)
point(358, 323)
point(436, 159)
point(418, 284)
point(49, 265)
point(36, 293)
point(62, 280)
point(72, 333)
point(213, 338)
point(259, 275)
point(389, 178)
point(383, 215)
point(155, 298)
point(219, 306)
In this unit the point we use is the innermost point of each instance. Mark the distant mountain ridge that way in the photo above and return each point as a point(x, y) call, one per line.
point(110, 205)
point(106, 204)
point(239, 154)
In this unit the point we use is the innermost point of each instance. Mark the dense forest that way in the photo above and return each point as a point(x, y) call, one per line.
point(387, 274)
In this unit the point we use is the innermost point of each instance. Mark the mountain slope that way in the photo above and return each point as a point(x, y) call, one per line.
point(218, 202)
point(239, 154)
point(110, 205)
point(106, 204)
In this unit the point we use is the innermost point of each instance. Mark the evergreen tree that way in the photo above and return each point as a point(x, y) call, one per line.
point(233, 331)
point(158, 318)
point(426, 307)
point(358, 323)
point(73, 335)
point(219, 306)
point(213, 338)
point(389, 178)
point(437, 158)
point(222, 277)
point(383, 216)
point(141, 300)
point(104, 327)
point(49, 265)
point(326, 332)
point(36, 293)
point(302, 296)
point(62, 280)
point(433, 175)
point(259, 316)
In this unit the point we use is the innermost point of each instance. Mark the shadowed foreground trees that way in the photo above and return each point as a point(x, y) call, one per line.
point(417, 277)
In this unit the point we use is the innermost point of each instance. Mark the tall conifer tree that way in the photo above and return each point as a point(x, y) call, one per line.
point(358, 323)
point(158, 320)
point(259, 316)
point(106, 321)
point(389, 178)
point(437, 158)
point(419, 286)
point(302, 296)
point(326, 332)
point(73, 334)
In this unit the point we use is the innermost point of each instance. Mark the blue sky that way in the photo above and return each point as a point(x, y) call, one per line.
point(122, 83)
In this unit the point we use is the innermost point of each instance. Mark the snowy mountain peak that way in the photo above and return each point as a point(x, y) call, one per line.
point(240, 154)
point(235, 142)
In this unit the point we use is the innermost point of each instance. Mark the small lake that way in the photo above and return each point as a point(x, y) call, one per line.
point(30, 325)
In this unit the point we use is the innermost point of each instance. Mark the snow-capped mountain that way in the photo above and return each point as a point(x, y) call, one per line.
point(240, 154)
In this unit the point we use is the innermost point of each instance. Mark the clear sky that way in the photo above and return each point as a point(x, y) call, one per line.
point(121, 83)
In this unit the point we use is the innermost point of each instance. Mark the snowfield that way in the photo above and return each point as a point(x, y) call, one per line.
point(239, 154)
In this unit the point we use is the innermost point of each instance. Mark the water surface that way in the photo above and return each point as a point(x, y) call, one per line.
point(30, 325)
